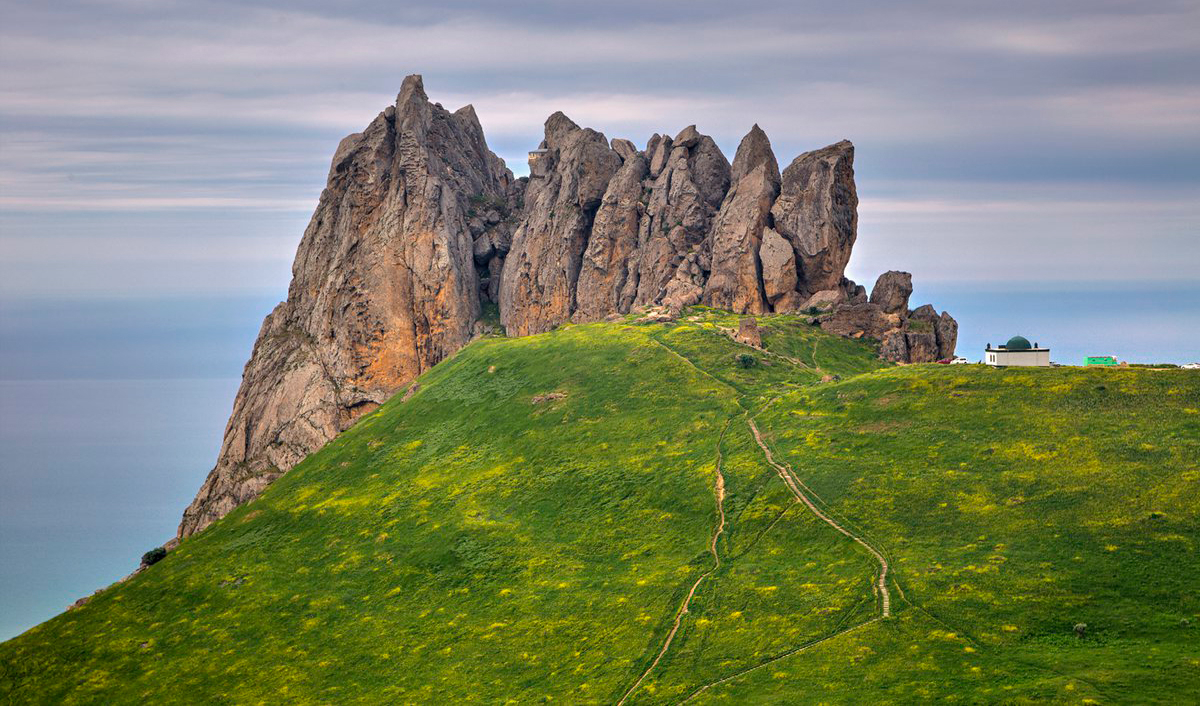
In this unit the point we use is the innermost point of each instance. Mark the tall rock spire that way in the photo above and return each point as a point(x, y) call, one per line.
point(736, 279)
point(384, 286)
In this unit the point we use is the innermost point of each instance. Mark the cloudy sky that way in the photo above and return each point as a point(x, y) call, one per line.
point(178, 146)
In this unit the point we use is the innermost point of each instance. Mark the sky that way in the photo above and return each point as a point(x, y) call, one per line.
point(1035, 165)
point(178, 147)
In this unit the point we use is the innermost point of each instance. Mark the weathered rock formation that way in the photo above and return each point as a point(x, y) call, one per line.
point(420, 225)
point(912, 336)
point(385, 285)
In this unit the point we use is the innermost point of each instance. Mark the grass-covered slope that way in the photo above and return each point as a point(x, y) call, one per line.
point(585, 517)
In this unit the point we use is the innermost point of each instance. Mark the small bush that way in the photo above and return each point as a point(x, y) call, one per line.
point(746, 360)
point(153, 556)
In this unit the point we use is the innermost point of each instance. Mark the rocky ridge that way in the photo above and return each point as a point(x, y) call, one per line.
point(421, 225)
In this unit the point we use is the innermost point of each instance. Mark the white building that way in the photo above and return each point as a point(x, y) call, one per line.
point(1017, 352)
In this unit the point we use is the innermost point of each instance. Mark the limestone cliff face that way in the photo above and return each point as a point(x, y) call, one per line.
point(420, 225)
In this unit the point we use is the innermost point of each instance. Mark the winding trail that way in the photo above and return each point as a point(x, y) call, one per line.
point(786, 474)
point(719, 492)
point(778, 657)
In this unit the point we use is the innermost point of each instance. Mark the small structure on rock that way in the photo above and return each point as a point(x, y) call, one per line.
point(1017, 352)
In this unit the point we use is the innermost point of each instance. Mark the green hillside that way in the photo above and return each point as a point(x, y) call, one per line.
point(586, 516)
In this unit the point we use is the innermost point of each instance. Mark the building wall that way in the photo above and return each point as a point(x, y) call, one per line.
point(1034, 358)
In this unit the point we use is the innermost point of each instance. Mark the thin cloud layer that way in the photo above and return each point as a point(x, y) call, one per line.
point(1042, 127)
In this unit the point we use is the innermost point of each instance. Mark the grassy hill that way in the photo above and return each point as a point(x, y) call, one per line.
point(586, 516)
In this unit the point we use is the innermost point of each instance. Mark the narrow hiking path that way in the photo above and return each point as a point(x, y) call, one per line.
point(776, 658)
point(719, 493)
point(793, 484)
point(803, 494)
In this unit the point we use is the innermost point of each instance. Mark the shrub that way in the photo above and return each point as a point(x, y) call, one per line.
point(746, 360)
point(153, 556)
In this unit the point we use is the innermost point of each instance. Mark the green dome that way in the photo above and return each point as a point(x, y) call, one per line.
point(1018, 343)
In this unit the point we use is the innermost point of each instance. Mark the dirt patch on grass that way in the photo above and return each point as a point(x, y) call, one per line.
point(547, 397)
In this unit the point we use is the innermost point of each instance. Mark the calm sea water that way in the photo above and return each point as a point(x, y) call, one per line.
point(92, 474)
point(111, 412)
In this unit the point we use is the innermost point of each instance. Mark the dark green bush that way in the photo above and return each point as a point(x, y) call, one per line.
point(746, 360)
point(153, 556)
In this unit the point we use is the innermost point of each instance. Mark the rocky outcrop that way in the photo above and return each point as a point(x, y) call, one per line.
point(690, 179)
point(608, 276)
point(736, 281)
point(778, 270)
point(946, 329)
point(917, 336)
point(385, 285)
point(748, 332)
point(537, 288)
point(817, 211)
point(420, 225)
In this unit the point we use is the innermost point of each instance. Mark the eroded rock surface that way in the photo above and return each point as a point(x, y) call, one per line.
point(736, 280)
point(891, 291)
point(817, 211)
point(537, 287)
point(420, 226)
point(383, 287)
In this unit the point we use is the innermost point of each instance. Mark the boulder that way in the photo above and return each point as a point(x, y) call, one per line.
point(857, 320)
point(891, 291)
point(789, 303)
point(817, 211)
point(624, 148)
point(824, 299)
point(855, 293)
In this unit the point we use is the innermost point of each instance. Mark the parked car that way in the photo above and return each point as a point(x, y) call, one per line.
point(959, 360)
point(1190, 366)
